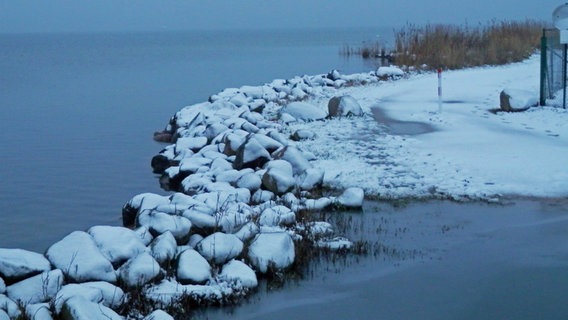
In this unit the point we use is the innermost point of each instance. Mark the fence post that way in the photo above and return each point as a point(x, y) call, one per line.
point(543, 67)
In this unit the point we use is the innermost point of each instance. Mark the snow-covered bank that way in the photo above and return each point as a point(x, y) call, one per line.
point(472, 153)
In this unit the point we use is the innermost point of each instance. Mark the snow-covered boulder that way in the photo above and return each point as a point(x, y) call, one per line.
point(311, 178)
point(250, 181)
point(293, 156)
point(79, 308)
point(517, 100)
point(279, 176)
point(2, 286)
point(9, 309)
point(344, 106)
point(192, 143)
point(144, 234)
point(140, 203)
point(18, 264)
point(39, 288)
point(38, 311)
point(159, 222)
point(220, 247)
point(78, 256)
point(251, 154)
point(262, 196)
point(240, 273)
point(271, 250)
point(391, 72)
point(247, 231)
point(139, 270)
point(303, 134)
point(163, 248)
point(192, 268)
point(75, 290)
point(112, 296)
point(276, 216)
point(351, 198)
point(117, 244)
point(158, 315)
point(303, 111)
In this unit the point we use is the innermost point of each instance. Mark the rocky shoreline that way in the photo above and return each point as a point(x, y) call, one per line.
point(241, 193)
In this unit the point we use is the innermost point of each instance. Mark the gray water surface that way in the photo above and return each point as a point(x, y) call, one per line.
point(448, 261)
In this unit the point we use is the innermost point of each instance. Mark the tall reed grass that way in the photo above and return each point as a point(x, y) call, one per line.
point(455, 47)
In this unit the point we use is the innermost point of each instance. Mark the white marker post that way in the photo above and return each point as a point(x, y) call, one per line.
point(439, 90)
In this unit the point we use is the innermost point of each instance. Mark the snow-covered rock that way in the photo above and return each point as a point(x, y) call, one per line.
point(38, 311)
point(271, 250)
point(303, 111)
point(159, 222)
point(2, 286)
point(112, 296)
point(277, 215)
point(239, 272)
point(76, 290)
point(79, 308)
point(303, 134)
point(39, 288)
point(139, 270)
point(163, 248)
point(261, 196)
point(220, 247)
point(250, 181)
point(117, 244)
point(247, 231)
point(251, 154)
point(144, 234)
point(192, 268)
point(9, 307)
point(390, 72)
point(18, 264)
point(293, 156)
point(311, 178)
point(351, 198)
point(4, 315)
point(78, 256)
point(517, 100)
point(158, 315)
point(344, 106)
point(279, 176)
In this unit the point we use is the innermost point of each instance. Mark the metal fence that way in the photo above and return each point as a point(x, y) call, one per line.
point(552, 65)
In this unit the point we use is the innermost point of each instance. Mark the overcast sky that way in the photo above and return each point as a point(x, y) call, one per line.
point(146, 15)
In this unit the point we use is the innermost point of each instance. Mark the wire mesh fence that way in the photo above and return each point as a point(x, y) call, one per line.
point(552, 66)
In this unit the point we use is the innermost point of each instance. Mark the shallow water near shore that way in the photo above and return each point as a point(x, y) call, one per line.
point(438, 260)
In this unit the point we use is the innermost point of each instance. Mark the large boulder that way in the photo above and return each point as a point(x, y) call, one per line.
point(192, 268)
point(117, 244)
point(344, 106)
point(18, 264)
point(220, 247)
point(237, 271)
point(78, 256)
point(163, 248)
point(159, 222)
point(279, 177)
point(270, 251)
point(512, 100)
point(139, 270)
point(293, 156)
point(351, 198)
point(303, 111)
point(39, 288)
point(79, 308)
point(251, 154)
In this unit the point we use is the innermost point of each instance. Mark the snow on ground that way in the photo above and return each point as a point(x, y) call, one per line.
point(471, 153)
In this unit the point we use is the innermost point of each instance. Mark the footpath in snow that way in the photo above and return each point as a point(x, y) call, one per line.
point(244, 164)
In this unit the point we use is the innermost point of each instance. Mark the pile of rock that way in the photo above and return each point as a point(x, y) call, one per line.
point(239, 182)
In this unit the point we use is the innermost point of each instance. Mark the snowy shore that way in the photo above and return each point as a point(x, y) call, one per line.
point(246, 162)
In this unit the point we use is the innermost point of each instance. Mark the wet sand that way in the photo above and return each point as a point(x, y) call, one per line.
point(446, 261)
point(398, 127)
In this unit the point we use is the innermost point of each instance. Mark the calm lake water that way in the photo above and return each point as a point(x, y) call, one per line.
point(78, 112)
